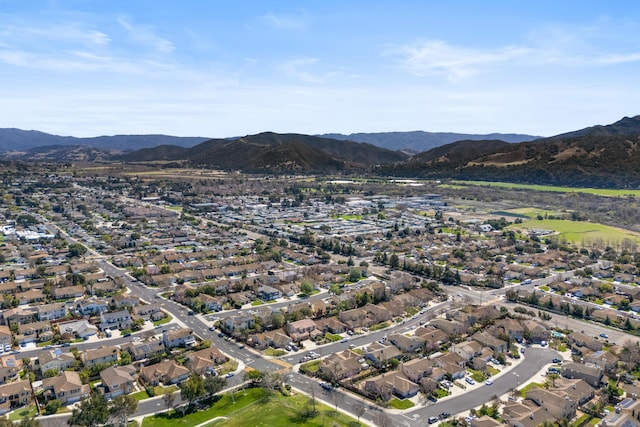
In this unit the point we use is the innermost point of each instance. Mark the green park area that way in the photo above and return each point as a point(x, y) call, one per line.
point(255, 407)
point(580, 233)
point(608, 192)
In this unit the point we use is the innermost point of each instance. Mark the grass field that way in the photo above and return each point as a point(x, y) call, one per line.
point(401, 404)
point(595, 191)
point(580, 232)
point(531, 213)
point(253, 408)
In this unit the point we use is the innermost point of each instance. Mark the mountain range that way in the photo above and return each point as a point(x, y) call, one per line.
point(18, 141)
point(598, 156)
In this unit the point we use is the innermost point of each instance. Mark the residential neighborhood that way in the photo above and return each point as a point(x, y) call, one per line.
point(402, 302)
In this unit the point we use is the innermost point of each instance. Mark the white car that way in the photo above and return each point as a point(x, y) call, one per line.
point(489, 381)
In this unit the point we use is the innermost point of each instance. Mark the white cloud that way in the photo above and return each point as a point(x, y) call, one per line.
point(299, 69)
point(286, 22)
point(145, 34)
point(455, 63)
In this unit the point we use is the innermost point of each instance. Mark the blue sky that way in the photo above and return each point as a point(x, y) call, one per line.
point(219, 69)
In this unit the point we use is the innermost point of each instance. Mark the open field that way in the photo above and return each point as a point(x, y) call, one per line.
point(580, 232)
point(531, 213)
point(254, 407)
point(594, 191)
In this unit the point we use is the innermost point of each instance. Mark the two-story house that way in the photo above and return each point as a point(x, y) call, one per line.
point(178, 338)
point(100, 356)
point(52, 311)
point(115, 320)
point(302, 329)
point(67, 388)
point(54, 360)
point(14, 395)
point(166, 372)
point(117, 380)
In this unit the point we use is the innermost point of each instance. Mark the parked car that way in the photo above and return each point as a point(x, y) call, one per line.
point(230, 374)
point(556, 360)
point(489, 381)
point(469, 380)
point(432, 420)
point(603, 335)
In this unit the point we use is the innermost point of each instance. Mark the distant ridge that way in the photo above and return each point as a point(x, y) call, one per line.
point(271, 152)
point(418, 141)
point(12, 139)
point(598, 156)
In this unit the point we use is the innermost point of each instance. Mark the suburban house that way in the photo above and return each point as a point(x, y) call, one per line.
point(148, 311)
point(407, 344)
point(302, 329)
point(140, 350)
point(212, 303)
point(49, 360)
point(68, 292)
point(10, 368)
point(535, 332)
point(417, 369)
point(66, 388)
point(100, 356)
point(238, 323)
point(379, 353)
point(166, 372)
point(339, 366)
point(488, 340)
point(52, 311)
point(5, 336)
point(557, 403)
point(590, 373)
point(35, 331)
point(78, 328)
point(204, 361)
point(14, 395)
point(276, 339)
point(392, 383)
point(89, 307)
point(117, 380)
point(16, 316)
point(268, 293)
point(115, 320)
point(178, 338)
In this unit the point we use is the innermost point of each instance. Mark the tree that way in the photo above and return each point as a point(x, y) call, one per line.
point(92, 411)
point(359, 409)
point(169, 398)
point(212, 385)
point(122, 407)
point(192, 388)
point(306, 287)
point(52, 406)
point(77, 250)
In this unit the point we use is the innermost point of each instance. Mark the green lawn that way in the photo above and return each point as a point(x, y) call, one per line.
point(477, 376)
point(401, 404)
point(440, 393)
point(252, 407)
point(275, 352)
point(595, 191)
point(28, 411)
point(140, 395)
point(579, 232)
point(332, 337)
point(379, 326)
point(310, 367)
point(286, 411)
point(163, 320)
